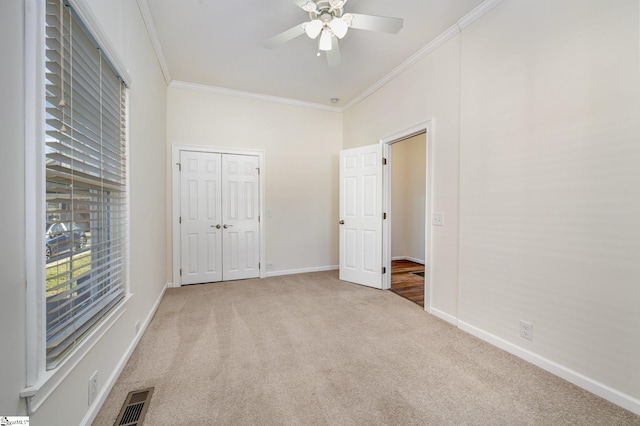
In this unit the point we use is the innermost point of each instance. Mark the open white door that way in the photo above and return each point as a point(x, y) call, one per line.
point(201, 233)
point(241, 227)
point(361, 215)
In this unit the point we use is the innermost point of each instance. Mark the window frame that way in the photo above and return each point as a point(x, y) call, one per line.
point(40, 382)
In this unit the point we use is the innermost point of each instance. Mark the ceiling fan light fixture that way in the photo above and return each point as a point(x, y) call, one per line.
point(348, 19)
point(337, 4)
point(309, 7)
point(325, 40)
point(339, 27)
point(329, 24)
point(313, 28)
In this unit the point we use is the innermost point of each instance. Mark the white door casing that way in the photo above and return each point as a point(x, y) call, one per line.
point(241, 242)
point(201, 211)
point(361, 215)
point(427, 128)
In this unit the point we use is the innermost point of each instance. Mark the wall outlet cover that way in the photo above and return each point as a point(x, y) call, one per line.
point(526, 330)
point(437, 219)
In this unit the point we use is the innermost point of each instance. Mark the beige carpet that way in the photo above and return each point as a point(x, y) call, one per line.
point(311, 350)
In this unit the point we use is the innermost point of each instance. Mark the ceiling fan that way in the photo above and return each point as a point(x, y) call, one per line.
point(330, 23)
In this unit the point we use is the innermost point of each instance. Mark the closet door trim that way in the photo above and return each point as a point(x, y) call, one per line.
point(174, 227)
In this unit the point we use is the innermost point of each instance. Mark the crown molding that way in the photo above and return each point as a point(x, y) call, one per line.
point(153, 36)
point(415, 58)
point(477, 13)
point(447, 35)
point(251, 95)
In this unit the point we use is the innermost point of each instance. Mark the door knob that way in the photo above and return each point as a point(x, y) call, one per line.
point(341, 222)
point(227, 226)
point(216, 226)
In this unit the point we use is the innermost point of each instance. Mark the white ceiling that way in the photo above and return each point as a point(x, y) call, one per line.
point(219, 43)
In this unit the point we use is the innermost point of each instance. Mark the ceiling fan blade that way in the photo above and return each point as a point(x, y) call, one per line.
point(285, 36)
point(306, 5)
point(384, 24)
point(333, 55)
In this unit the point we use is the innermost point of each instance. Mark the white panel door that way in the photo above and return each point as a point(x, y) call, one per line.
point(200, 211)
point(361, 215)
point(240, 183)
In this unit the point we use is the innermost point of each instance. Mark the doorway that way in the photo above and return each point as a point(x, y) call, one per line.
point(423, 132)
point(218, 206)
point(408, 195)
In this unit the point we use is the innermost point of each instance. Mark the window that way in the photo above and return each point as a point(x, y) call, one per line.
point(86, 182)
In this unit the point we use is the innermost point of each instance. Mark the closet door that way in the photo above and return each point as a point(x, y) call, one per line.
point(241, 242)
point(200, 215)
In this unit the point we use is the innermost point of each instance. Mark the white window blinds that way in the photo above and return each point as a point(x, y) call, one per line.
point(86, 200)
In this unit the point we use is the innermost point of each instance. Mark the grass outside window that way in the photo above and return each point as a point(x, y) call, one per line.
point(63, 274)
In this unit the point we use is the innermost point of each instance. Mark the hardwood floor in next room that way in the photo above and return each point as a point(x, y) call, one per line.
point(405, 282)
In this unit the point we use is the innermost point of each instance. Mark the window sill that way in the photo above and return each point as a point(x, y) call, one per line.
point(38, 393)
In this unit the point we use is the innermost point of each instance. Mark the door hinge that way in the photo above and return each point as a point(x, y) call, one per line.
point(384, 270)
point(179, 167)
point(180, 219)
point(258, 169)
point(258, 218)
point(384, 215)
point(180, 271)
point(384, 161)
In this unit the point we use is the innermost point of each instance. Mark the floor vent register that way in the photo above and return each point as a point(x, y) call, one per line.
point(134, 408)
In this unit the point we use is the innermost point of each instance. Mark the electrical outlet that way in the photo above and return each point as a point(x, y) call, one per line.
point(93, 387)
point(526, 330)
point(269, 265)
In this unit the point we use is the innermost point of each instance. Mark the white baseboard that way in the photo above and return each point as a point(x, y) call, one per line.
point(442, 315)
point(286, 272)
point(302, 270)
point(619, 398)
point(111, 381)
point(411, 259)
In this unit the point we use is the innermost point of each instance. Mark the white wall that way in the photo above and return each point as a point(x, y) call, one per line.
point(428, 90)
point(542, 102)
point(398, 201)
point(301, 154)
point(550, 183)
point(408, 185)
point(121, 22)
point(12, 242)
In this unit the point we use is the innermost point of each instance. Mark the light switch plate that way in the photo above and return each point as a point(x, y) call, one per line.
point(437, 219)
